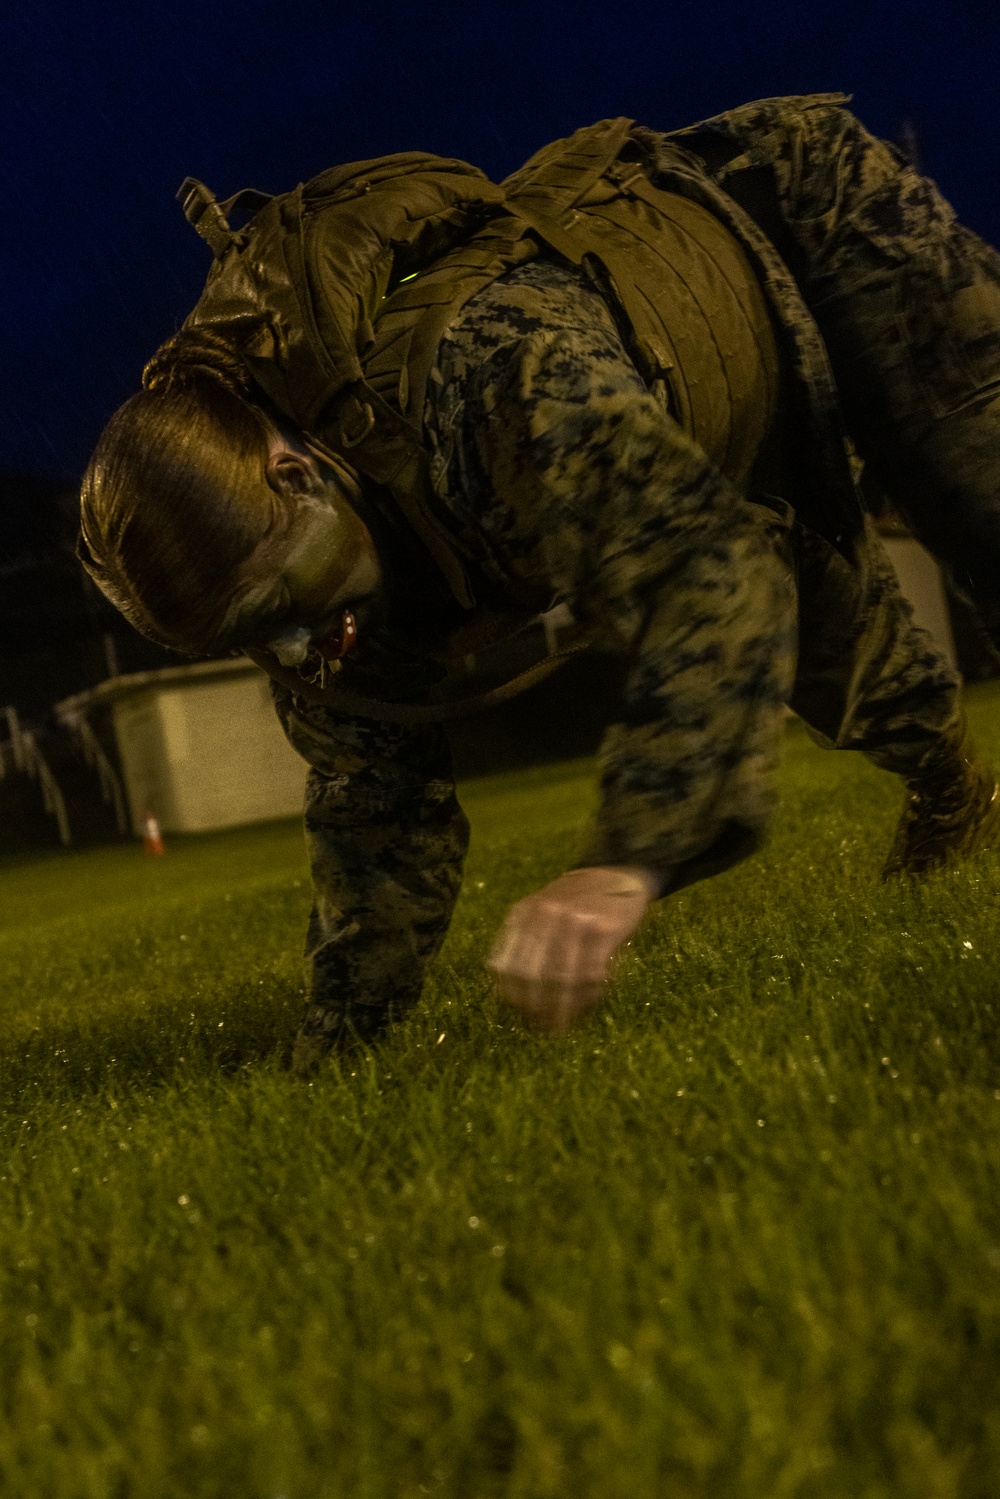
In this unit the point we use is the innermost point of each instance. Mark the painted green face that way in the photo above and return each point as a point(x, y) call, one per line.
point(294, 589)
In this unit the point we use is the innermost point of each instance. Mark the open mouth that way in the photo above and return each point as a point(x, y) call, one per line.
point(335, 646)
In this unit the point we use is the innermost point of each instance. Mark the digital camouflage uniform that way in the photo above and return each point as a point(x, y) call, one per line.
point(579, 485)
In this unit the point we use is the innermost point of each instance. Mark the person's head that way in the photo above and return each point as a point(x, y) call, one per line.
point(208, 526)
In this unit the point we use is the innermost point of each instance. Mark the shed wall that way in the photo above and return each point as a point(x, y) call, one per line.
point(207, 754)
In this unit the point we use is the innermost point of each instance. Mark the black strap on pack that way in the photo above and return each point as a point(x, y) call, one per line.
point(210, 219)
point(331, 695)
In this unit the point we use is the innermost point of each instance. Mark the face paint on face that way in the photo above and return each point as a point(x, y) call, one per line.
point(300, 585)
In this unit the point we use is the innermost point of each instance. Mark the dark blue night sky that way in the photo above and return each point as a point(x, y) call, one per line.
point(107, 106)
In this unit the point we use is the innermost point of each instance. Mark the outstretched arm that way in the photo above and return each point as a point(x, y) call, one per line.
point(591, 486)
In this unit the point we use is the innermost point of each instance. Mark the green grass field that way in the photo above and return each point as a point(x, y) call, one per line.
point(738, 1237)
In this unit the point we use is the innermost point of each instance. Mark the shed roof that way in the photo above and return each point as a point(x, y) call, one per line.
point(115, 689)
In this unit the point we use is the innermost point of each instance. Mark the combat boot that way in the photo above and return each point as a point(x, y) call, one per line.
point(308, 1054)
point(952, 808)
point(328, 1033)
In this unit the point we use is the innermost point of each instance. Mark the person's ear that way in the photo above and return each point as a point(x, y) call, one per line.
point(291, 473)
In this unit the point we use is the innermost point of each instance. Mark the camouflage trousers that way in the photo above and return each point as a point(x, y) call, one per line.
point(386, 839)
point(908, 302)
point(387, 836)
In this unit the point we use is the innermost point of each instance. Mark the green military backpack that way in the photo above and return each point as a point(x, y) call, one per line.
point(337, 294)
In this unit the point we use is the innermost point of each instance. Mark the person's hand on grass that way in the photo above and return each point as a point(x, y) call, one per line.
point(554, 953)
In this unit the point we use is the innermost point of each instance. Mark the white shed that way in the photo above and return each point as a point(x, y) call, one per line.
point(200, 746)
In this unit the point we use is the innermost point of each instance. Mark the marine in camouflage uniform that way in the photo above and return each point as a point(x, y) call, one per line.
point(574, 481)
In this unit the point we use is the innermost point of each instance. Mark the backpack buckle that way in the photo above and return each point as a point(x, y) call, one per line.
point(205, 216)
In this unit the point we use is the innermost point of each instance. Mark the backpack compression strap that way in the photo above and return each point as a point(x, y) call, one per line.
point(342, 700)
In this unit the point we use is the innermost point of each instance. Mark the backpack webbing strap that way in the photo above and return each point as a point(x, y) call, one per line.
point(342, 700)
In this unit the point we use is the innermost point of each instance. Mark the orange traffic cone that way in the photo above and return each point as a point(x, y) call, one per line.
point(152, 839)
